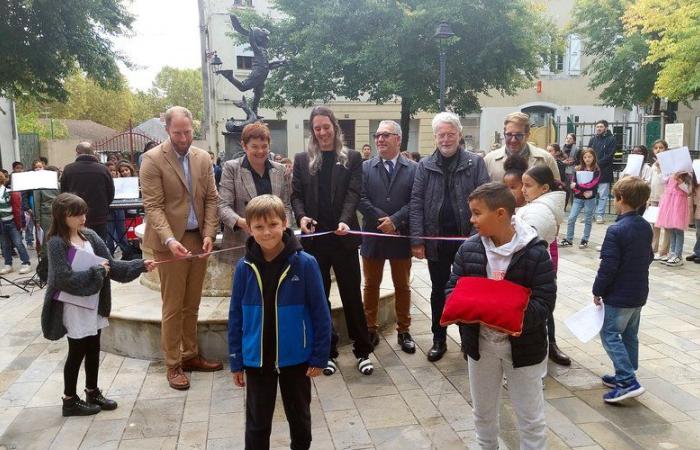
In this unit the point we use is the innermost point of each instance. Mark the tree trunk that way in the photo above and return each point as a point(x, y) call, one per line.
point(406, 103)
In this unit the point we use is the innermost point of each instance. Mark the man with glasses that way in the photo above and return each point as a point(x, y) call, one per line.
point(516, 132)
point(439, 207)
point(387, 180)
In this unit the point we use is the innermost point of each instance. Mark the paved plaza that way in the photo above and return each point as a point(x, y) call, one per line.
point(409, 403)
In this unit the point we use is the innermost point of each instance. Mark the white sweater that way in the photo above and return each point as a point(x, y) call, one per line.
point(545, 214)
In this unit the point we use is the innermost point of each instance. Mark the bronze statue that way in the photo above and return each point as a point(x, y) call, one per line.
point(259, 40)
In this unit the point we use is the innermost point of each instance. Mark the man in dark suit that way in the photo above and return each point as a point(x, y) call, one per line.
point(326, 187)
point(91, 181)
point(387, 180)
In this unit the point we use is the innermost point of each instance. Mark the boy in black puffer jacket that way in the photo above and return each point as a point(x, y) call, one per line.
point(507, 248)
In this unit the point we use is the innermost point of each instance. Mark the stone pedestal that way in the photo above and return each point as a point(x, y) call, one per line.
point(232, 145)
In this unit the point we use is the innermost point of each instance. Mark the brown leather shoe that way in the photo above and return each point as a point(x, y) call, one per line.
point(199, 364)
point(177, 379)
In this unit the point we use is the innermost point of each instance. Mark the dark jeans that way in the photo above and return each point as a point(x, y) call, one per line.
point(11, 236)
point(261, 392)
point(88, 348)
point(440, 272)
point(116, 232)
point(330, 253)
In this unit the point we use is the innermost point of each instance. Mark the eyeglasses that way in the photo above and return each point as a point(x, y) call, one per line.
point(517, 136)
point(446, 135)
point(383, 135)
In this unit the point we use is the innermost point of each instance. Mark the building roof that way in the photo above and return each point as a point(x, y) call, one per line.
point(84, 130)
point(154, 128)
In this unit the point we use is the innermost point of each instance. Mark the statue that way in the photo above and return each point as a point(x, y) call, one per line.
point(259, 40)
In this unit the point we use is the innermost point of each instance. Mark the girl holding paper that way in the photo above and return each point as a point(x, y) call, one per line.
point(658, 185)
point(584, 186)
point(674, 214)
point(80, 320)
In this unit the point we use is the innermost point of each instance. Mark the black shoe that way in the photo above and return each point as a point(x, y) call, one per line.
point(374, 338)
point(697, 261)
point(74, 406)
point(406, 342)
point(437, 351)
point(96, 398)
point(691, 257)
point(557, 356)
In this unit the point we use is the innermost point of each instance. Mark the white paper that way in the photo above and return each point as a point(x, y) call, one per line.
point(673, 134)
point(696, 168)
point(127, 187)
point(586, 323)
point(584, 176)
point(651, 214)
point(35, 179)
point(675, 160)
point(634, 165)
point(82, 261)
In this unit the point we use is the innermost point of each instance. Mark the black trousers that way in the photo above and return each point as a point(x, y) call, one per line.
point(330, 253)
point(89, 349)
point(261, 392)
point(440, 271)
point(101, 230)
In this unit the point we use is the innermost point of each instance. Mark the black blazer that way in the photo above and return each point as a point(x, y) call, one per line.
point(381, 198)
point(346, 185)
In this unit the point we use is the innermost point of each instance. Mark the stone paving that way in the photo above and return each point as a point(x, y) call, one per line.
point(409, 403)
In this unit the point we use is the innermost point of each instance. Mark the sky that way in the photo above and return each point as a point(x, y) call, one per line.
point(165, 33)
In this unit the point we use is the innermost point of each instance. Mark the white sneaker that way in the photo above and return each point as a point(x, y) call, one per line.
point(5, 270)
point(673, 262)
point(26, 268)
point(599, 220)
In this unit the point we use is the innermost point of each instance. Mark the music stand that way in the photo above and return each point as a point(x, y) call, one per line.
point(2, 278)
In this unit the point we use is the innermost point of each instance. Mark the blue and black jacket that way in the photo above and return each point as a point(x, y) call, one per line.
point(299, 315)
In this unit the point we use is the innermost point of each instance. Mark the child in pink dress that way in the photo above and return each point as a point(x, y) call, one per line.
point(674, 214)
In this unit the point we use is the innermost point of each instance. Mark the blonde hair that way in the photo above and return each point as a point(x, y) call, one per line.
point(519, 118)
point(264, 207)
point(176, 110)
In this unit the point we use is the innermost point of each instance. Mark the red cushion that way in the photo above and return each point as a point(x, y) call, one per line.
point(497, 304)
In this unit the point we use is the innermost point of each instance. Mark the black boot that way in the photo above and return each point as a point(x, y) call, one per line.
point(437, 351)
point(557, 356)
point(74, 406)
point(96, 398)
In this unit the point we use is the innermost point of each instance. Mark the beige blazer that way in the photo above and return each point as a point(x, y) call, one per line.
point(237, 188)
point(166, 199)
point(494, 162)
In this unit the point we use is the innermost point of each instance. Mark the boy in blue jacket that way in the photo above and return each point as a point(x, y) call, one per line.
point(622, 284)
point(279, 326)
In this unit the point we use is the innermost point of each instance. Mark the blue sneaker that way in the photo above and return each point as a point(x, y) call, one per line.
point(634, 389)
point(609, 381)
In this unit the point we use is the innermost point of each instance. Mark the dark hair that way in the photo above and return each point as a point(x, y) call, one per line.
point(415, 156)
point(495, 195)
point(17, 163)
point(126, 164)
point(543, 175)
point(149, 145)
point(573, 135)
point(65, 205)
point(644, 150)
point(632, 191)
point(516, 165)
point(603, 121)
point(44, 159)
point(583, 153)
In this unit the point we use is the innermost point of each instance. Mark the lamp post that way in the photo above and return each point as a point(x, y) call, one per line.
point(443, 32)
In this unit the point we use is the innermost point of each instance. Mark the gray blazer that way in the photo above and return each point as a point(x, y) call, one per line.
point(237, 188)
point(381, 198)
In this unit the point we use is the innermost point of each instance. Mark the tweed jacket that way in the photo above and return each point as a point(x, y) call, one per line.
point(86, 282)
point(494, 162)
point(346, 186)
point(237, 188)
point(380, 198)
point(166, 197)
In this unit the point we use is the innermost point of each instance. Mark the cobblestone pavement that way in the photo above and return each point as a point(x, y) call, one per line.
point(408, 403)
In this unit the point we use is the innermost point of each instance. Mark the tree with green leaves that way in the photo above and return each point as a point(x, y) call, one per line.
point(44, 42)
point(672, 29)
point(181, 87)
point(618, 58)
point(385, 51)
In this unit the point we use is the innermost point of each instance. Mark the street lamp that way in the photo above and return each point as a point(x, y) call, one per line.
point(443, 32)
point(215, 62)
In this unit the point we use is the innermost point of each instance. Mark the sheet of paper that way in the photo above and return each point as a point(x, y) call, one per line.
point(127, 187)
point(81, 261)
point(675, 160)
point(651, 214)
point(696, 168)
point(584, 176)
point(586, 323)
point(35, 179)
point(634, 165)
point(673, 134)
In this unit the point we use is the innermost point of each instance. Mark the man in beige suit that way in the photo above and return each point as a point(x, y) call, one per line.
point(180, 199)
